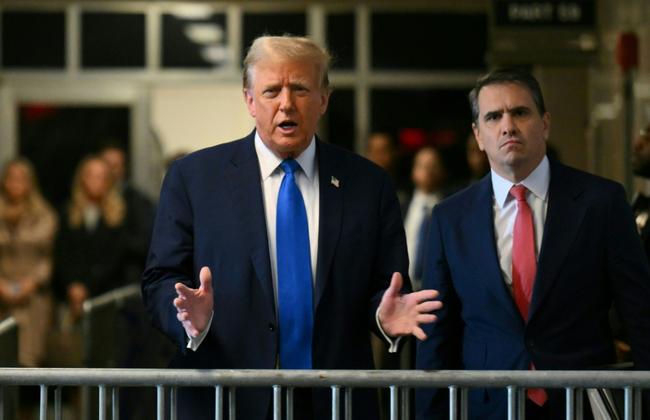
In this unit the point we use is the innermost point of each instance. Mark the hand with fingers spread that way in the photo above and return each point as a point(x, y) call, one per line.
point(401, 315)
point(194, 306)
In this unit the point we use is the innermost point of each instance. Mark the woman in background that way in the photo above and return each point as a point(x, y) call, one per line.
point(90, 247)
point(27, 229)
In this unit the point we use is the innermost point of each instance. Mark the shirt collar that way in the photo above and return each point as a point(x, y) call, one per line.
point(537, 182)
point(269, 162)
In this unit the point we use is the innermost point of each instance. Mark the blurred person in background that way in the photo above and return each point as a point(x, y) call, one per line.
point(90, 247)
point(641, 168)
point(477, 160)
point(382, 150)
point(140, 212)
point(429, 175)
point(27, 228)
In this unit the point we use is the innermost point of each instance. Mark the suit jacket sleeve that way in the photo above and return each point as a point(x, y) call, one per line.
point(392, 255)
point(170, 257)
point(441, 350)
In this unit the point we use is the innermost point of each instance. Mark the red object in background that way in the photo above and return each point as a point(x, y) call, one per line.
point(33, 112)
point(412, 138)
point(627, 51)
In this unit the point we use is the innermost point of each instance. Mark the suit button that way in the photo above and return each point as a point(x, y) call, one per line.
point(271, 327)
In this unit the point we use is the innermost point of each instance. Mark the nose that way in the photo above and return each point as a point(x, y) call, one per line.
point(286, 100)
point(508, 125)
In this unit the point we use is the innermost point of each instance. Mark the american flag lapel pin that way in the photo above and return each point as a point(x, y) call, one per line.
point(335, 181)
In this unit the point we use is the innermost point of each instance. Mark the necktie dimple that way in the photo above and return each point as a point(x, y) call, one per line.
point(524, 268)
point(294, 273)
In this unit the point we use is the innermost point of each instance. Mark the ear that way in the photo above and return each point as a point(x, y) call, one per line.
point(324, 100)
point(546, 120)
point(250, 103)
point(477, 136)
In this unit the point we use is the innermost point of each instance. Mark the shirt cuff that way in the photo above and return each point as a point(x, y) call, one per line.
point(193, 343)
point(393, 343)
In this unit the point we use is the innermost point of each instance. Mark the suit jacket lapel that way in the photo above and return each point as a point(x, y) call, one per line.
point(331, 185)
point(478, 225)
point(563, 218)
point(244, 175)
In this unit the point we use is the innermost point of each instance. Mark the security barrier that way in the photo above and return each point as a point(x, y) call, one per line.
point(341, 382)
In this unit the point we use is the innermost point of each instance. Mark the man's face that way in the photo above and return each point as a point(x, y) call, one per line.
point(286, 100)
point(510, 130)
point(116, 161)
point(381, 151)
point(428, 173)
point(641, 153)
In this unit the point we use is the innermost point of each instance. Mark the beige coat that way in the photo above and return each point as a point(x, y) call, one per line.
point(26, 251)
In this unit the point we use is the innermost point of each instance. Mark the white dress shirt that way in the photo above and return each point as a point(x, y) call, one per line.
point(421, 205)
point(505, 212)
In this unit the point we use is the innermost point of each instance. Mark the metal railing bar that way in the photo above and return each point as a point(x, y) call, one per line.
point(277, 402)
point(406, 403)
point(322, 378)
point(453, 400)
point(521, 403)
point(102, 402)
point(43, 407)
point(160, 402)
point(58, 391)
point(348, 403)
point(512, 402)
point(116, 295)
point(336, 401)
point(173, 403)
point(218, 402)
point(232, 403)
point(289, 392)
point(570, 403)
point(394, 393)
point(464, 392)
point(8, 324)
point(579, 404)
point(115, 403)
point(628, 403)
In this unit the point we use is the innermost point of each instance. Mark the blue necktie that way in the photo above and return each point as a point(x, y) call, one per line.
point(294, 274)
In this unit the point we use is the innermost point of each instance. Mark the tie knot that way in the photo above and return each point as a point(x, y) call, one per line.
point(519, 192)
point(289, 166)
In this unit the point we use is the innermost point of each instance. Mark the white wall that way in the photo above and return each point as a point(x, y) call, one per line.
point(194, 116)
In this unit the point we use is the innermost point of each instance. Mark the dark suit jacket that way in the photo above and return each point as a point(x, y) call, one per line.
point(211, 214)
point(95, 258)
point(590, 255)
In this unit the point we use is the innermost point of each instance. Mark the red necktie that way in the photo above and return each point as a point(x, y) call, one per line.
point(524, 267)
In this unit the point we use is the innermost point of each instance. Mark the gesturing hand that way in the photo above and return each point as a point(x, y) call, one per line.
point(402, 314)
point(194, 306)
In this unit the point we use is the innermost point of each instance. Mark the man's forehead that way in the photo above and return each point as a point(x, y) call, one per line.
point(504, 96)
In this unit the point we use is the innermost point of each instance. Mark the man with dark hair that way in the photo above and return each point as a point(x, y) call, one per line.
point(528, 261)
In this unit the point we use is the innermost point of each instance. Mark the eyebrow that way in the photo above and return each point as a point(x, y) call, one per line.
point(510, 110)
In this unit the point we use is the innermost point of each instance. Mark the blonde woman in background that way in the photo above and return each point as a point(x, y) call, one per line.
point(27, 229)
point(90, 247)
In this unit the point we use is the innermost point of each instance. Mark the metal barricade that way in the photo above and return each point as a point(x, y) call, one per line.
point(108, 381)
point(8, 358)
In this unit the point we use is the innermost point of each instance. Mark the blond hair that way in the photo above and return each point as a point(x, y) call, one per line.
point(288, 47)
point(36, 205)
point(112, 205)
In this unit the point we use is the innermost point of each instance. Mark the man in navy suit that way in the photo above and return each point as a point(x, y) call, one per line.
point(216, 277)
point(528, 261)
